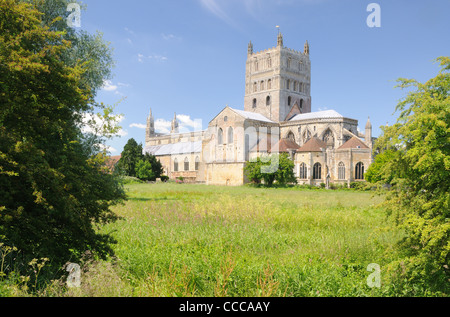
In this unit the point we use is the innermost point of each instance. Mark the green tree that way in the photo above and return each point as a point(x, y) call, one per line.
point(419, 165)
point(90, 49)
point(131, 154)
point(144, 171)
point(155, 164)
point(277, 167)
point(376, 172)
point(54, 187)
point(285, 173)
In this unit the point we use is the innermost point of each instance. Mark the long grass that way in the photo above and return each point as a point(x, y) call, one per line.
point(195, 240)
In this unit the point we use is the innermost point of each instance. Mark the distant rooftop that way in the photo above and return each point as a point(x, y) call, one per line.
point(328, 114)
point(313, 145)
point(252, 115)
point(354, 143)
point(175, 148)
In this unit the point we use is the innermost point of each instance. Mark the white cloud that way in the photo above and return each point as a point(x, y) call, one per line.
point(155, 57)
point(216, 9)
point(186, 122)
point(170, 37)
point(94, 124)
point(158, 57)
point(163, 126)
point(108, 86)
point(108, 148)
point(138, 125)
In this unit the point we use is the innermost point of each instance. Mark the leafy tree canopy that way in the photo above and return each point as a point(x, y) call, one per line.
point(277, 167)
point(417, 161)
point(150, 167)
point(54, 188)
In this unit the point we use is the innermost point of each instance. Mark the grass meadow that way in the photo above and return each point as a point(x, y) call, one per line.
point(197, 240)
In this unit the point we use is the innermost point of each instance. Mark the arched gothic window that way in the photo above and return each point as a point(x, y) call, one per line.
point(306, 136)
point(291, 136)
point(175, 165)
point(186, 164)
point(230, 135)
point(303, 171)
point(341, 170)
point(359, 171)
point(197, 163)
point(328, 138)
point(317, 171)
point(220, 137)
point(269, 84)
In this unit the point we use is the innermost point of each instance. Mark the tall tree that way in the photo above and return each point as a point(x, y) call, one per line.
point(54, 188)
point(418, 165)
point(131, 155)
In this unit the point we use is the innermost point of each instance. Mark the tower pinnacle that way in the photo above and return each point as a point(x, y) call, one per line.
point(306, 51)
point(174, 125)
point(280, 40)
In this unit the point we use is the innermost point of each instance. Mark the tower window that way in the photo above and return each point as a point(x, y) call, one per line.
point(269, 84)
point(254, 103)
point(262, 85)
point(288, 84)
point(268, 101)
point(289, 101)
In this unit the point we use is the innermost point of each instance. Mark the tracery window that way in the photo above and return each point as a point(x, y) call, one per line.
point(220, 137)
point(359, 171)
point(303, 171)
point(341, 171)
point(317, 171)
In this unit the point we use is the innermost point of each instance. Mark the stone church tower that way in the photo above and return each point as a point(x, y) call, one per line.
point(278, 82)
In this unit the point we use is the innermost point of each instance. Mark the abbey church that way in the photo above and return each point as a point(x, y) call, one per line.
point(325, 146)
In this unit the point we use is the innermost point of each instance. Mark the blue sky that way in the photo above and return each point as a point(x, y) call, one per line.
point(188, 56)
